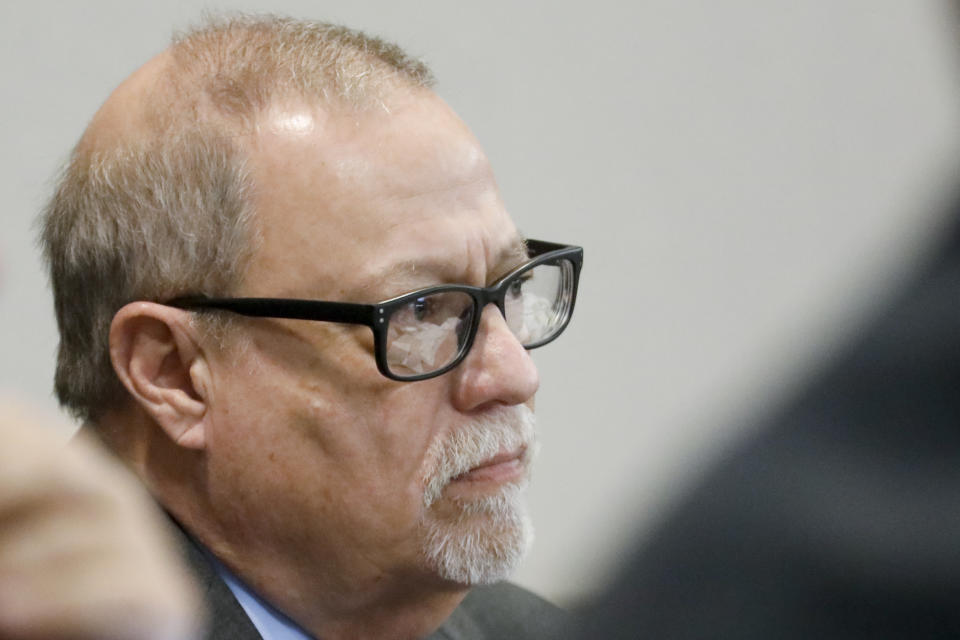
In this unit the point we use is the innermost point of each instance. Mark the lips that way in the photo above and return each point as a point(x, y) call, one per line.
point(501, 468)
point(481, 456)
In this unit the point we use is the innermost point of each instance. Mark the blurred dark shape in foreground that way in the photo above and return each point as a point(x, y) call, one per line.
point(840, 518)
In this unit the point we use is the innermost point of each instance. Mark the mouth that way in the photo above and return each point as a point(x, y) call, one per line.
point(506, 466)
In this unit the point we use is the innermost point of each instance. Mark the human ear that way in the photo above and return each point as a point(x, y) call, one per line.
point(156, 355)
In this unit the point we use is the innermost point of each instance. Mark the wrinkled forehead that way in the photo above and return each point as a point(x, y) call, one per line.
point(348, 200)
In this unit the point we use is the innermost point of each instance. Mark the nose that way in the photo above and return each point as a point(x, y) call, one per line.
point(498, 370)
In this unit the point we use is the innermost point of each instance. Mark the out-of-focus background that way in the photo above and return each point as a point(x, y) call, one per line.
point(748, 179)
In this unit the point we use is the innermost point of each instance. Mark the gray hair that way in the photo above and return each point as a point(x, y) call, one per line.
point(167, 211)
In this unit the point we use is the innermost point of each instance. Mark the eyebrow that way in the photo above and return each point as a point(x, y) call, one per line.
point(405, 274)
point(511, 256)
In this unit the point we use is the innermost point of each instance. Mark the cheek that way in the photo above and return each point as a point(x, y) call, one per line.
point(345, 447)
point(406, 426)
point(387, 458)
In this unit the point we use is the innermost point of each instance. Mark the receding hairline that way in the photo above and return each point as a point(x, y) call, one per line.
point(121, 119)
point(224, 73)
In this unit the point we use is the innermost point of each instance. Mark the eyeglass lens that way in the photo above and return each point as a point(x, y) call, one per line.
point(429, 332)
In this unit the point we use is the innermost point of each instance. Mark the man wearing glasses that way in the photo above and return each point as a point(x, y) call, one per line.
point(291, 300)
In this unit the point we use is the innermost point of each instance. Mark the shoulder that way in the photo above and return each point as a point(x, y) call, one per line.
point(504, 610)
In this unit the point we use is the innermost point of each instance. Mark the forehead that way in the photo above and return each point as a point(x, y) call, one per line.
point(348, 202)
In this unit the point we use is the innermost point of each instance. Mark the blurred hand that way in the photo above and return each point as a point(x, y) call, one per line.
point(83, 550)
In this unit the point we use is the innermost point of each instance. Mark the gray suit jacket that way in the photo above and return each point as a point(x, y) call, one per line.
point(497, 612)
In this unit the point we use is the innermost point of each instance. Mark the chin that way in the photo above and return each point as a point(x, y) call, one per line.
point(484, 542)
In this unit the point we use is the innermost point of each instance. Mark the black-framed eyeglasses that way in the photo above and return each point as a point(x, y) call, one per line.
point(427, 332)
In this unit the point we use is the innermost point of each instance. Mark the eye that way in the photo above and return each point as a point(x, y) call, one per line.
point(421, 308)
point(515, 290)
point(433, 308)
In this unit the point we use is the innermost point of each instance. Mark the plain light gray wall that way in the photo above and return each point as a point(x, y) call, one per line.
point(746, 176)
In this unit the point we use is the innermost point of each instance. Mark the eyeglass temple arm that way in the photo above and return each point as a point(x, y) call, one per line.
point(284, 308)
point(540, 247)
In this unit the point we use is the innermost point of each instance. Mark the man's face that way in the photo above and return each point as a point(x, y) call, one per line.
point(310, 447)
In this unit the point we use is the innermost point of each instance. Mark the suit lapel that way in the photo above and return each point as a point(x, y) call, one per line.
point(227, 620)
point(459, 626)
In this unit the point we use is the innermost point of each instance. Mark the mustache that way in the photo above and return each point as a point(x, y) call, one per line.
point(500, 429)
